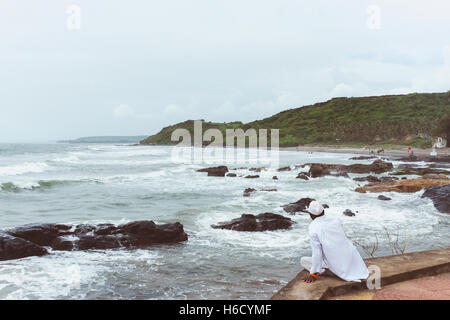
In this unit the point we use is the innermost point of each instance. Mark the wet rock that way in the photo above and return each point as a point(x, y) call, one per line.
point(231, 175)
point(303, 176)
point(16, 248)
point(251, 177)
point(269, 190)
point(215, 171)
point(438, 159)
point(146, 233)
point(349, 213)
point(40, 234)
point(261, 222)
point(440, 195)
point(275, 178)
point(319, 169)
point(368, 178)
point(405, 170)
point(30, 239)
point(325, 206)
point(248, 191)
point(404, 186)
point(299, 206)
point(434, 176)
point(62, 244)
point(388, 179)
point(257, 169)
point(284, 169)
point(384, 198)
point(364, 158)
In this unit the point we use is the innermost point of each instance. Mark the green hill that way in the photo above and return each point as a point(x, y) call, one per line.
point(382, 119)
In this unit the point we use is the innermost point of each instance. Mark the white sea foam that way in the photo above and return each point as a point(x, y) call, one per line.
point(27, 167)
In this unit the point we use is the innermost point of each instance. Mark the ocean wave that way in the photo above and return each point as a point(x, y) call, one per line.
point(27, 167)
point(32, 185)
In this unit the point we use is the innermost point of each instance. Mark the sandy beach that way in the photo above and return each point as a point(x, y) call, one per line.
point(398, 152)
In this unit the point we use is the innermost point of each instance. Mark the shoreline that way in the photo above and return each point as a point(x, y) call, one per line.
point(388, 152)
point(391, 154)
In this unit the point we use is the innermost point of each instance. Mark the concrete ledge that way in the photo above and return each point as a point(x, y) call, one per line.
point(393, 269)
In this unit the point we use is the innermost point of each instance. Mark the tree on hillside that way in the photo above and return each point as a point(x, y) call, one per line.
point(443, 128)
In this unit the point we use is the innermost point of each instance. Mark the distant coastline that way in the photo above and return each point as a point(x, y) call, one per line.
point(106, 139)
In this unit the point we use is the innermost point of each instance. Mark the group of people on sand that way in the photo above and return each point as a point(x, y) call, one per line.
point(367, 147)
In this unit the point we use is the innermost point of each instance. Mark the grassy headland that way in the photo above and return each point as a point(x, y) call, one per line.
point(381, 120)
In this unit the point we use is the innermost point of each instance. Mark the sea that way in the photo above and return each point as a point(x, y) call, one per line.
point(110, 183)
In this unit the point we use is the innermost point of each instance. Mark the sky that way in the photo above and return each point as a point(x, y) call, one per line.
point(113, 67)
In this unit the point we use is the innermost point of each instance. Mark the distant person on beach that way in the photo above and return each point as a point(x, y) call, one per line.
point(409, 150)
point(332, 252)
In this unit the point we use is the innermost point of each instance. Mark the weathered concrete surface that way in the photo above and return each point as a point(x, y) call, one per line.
point(426, 288)
point(393, 269)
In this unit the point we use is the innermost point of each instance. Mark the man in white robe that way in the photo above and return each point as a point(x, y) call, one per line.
point(331, 250)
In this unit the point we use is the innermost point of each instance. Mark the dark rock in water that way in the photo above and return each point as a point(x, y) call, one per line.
point(62, 244)
point(29, 240)
point(406, 169)
point(215, 171)
point(384, 198)
point(303, 176)
point(348, 213)
point(364, 158)
point(251, 177)
point(388, 179)
point(16, 248)
point(438, 159)
point(257, 169)
point(40, 234)
point(284, 169)
point(84, 228)
point(269, 190)
point(231, 175)
point(146, 233)
point(368, 178)
point(261, 222)
point(319, 169)
point(299, 206)
point(404, 178)
point(248, 191)
point(440, 197)
point(325, 206)
point(275, 178)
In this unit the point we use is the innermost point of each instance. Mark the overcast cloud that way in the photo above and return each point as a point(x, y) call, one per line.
point(135, 66)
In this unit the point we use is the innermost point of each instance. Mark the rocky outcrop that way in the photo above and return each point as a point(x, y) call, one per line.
point(298, 206)
point(319, 169)
point(383, 198)
point(302, 175)
point(284, 169)
point(215, 171)
point(261, 222)
point(275, 178)
point(363, 158)
point(368, 178)
point(439, 159)
point(231, 175)
point(407, 169)
point(31, 240)
point(440, 195)
point(409, 185)
point(248, 191)
point(16, 248)
point(251, 177)
point(258, 169)
point(348, 213)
